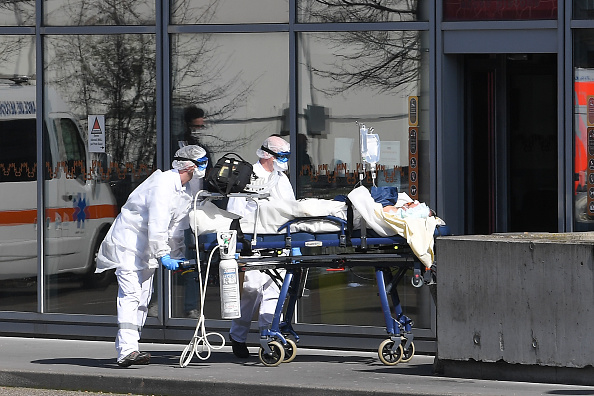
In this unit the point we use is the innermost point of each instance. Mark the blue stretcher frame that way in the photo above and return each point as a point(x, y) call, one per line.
point(370, 251)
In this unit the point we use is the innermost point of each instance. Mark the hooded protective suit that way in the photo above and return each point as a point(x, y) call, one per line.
point(260, 293)
point(150, 227)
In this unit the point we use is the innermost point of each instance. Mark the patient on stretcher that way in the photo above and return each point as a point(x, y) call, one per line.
point(414, 209)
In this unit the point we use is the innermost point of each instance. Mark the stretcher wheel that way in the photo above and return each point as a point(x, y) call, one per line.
point(290, 351)
point(275, 358)
point(386, 355)
point(408, 353)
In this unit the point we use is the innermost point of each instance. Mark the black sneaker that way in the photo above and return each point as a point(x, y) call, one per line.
point(135, 358)
point(239, 349)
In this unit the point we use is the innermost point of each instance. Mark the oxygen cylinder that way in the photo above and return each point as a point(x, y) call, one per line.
point(229, 282)
point(228, 275)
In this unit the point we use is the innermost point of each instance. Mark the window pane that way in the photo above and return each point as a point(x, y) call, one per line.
point(583, 9)
point(369, 78)
point(112, 79)
point(498, 10)
point(99, 12)
point(229, 11)
point(328, 11)
point(18, 177)
point(241, 83)
point(583, 129)
point(17, 13)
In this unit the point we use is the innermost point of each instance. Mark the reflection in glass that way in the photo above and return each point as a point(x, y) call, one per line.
point(17, 13)
point(345, 78)
point(240, 81)
point(350, 297)
point(329, 11)
point(99, 12)
point(583, 9)
point(18, 176)
point(229, 11)
point(111, 77)
point(583, 167)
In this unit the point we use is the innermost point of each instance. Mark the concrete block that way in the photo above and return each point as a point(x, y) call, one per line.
point(516, 298)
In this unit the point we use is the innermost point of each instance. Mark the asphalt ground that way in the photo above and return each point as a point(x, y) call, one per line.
point(89, 366)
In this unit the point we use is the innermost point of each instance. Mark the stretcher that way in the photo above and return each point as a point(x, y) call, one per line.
point(287, 251)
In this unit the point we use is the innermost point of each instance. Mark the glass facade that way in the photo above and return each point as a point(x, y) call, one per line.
point(336, 11)
point(17, 13)
point(96, 13)
point(101, 120)
point(110, 85)
point(18, 175)
point(583, 127)
point(229, 11)
point(95, 103)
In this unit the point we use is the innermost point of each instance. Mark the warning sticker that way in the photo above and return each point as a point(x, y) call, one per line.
point(96, 133)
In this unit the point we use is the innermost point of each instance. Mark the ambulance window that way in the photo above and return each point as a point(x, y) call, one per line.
point(18, 146)
point(73, 145)
point(18, 150)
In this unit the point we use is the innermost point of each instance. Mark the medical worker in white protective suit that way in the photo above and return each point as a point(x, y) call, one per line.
point(258, 288)
point(148, 231)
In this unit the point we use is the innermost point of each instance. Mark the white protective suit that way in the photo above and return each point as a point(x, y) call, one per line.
point(258, 288)
point(149, 226)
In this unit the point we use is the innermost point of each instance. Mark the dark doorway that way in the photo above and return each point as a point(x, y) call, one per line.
point(511, 143)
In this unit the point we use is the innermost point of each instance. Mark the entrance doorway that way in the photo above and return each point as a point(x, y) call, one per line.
point(510, 143)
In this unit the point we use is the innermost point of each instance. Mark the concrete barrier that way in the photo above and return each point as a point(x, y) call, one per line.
point(518, 299)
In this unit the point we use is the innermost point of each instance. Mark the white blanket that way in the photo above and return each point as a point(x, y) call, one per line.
point(418, 233)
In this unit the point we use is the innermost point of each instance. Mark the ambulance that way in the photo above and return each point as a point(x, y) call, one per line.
point(79, 206)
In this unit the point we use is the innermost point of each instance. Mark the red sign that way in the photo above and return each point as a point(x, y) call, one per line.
point(498, 10)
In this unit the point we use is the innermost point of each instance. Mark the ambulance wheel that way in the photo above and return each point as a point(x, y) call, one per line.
point(102, 279)
point(407, 353)
point(290, 351)
point(275, 358)
point(386, 355)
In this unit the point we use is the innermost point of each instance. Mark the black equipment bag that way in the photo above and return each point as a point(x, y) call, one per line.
point(230, 175)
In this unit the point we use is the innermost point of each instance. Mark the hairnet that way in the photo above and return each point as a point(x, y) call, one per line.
point(192, 152)
point(274, 143)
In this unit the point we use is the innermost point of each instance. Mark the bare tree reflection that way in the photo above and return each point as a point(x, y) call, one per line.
point(199, 75)
point(114, 75)
point(384, 61)
point(22, 10)
point(358, 11)
point(11, 49)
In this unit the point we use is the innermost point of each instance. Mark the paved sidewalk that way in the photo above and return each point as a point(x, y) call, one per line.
point(90, 366)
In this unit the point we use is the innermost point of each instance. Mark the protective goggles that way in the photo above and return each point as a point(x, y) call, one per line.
point(200, 163)
point(282, 156)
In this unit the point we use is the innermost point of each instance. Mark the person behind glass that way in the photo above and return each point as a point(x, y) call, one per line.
point(259, 290)
point(194, 126)
point(148, 231)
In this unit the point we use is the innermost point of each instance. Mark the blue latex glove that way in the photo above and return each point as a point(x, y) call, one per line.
point(169, 263)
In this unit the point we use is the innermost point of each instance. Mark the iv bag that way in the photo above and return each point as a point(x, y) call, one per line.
point(370, 145)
